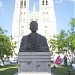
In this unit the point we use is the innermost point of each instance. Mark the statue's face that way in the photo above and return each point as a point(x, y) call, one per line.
point(33, 27)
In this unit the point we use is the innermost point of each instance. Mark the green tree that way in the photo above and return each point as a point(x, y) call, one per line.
point(71, 42)
point(65, 41)
point(59, 42)
point(6, 46)
point(2, 31)
point(72, 24)
point(53, 44)
point(71, 35)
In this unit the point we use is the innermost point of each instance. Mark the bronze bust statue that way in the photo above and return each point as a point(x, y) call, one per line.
point(34, 42)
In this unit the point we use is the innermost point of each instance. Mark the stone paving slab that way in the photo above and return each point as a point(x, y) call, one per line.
point(34, 74)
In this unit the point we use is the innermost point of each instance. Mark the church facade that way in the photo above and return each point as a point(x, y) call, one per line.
point(22, 17)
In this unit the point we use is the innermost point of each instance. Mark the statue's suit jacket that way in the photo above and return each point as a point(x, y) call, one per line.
point(40, 40)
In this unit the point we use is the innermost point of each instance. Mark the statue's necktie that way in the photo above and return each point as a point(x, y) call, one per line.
point(34, 39)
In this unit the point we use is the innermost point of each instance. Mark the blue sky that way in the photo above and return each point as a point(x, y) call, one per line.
point(64, 11)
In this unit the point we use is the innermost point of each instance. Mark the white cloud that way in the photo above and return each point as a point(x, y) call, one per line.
point(58, 1)
point(1, 6)
point(61, 1)
point(71, 0)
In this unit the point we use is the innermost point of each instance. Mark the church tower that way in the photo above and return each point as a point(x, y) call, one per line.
point(20, 24)
point(47, 20)
point(22, 17)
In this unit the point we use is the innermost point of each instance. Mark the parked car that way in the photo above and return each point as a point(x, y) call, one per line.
point(73, 58)
point(1, 63)
point(13, 61)
point(6, 62)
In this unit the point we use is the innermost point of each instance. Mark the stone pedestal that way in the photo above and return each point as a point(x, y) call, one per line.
point(34, 62)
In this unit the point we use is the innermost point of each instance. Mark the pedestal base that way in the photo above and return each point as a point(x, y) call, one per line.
point(34, 62)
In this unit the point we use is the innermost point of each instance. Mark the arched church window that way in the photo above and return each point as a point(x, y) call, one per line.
point(43, 2)
point(22, 30)
point(24, 12)
point(46, 2)
point(46, 12)
point(25, 3)
point(31, 19)
point(22, 26)
point(21, 12)
point(45, 26)
point(21, 4)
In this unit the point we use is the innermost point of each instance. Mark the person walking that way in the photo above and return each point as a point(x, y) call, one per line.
point(73, 65)
point(58, 61)
point(65, 60)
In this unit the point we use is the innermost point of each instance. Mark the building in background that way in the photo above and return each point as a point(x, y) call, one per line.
point(23, 16)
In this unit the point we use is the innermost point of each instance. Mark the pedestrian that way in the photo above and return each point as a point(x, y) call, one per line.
point(58, 61)
point(65, 60)
point(73, 65)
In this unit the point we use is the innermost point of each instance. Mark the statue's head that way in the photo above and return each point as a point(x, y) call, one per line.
point(33, 26)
